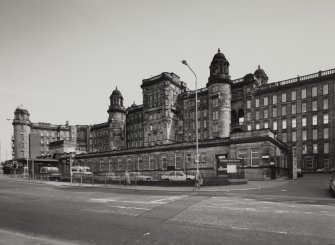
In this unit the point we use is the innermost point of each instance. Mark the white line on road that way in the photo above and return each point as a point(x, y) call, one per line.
point(124, 207)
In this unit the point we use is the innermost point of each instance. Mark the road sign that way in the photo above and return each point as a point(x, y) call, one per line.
point(15, 164)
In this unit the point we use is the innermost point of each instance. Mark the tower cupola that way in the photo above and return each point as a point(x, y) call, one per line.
point(261, 76)
point(219, 69)
point(116, 102)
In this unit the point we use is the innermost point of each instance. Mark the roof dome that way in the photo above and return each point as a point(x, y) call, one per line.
point(219, 56)
point(20, 107)
point(259, 72)
point(116, 92)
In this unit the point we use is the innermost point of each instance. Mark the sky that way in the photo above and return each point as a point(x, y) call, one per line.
point(61, 59)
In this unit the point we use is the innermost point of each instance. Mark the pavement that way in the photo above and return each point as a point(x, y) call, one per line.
point(251, 185)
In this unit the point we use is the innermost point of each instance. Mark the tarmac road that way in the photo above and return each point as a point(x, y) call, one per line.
point(257, 213)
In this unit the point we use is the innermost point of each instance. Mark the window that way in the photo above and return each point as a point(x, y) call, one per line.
point(294, 122)
point(129, 164)
point(139, 163)
point(215, 128)
point(304, 121)
point(283, 98)
point(325, 89)
point(314, 120)
point(215, 115)
point(248, 116)
point(314, 105)
point(151, 162)
point(257, 126)
point(177, 161)
point(325, 133)
point(315, 134)
point(304, 149)
point(325, 104)
point(303, 107)
point(266, 101)
point(303, 93)
point(203, 157)
point(325, 118)
point(257, 102)
point(283, 126)
point(274, 99)
point(284, 137)
point(257, 115)
point(164, 162)
point(315, 148)
point(326, 148)
point(119, 164)
point(274, 127)
point(266, 113)
point(242, 154)
point(215, 102)
point(274, 112)
point(248, 104)
point(304, 135)
point(294, 136)
point(249, 127)
point(283, 110)
point(294, 109)
point(205, 124)
point(294, 95)
point(266, 125)
point(314, 91)
point(254, 157)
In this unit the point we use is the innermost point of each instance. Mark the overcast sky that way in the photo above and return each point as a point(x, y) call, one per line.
point(62, 59)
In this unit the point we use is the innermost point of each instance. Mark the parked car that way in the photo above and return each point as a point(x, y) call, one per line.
point(138, 176)
point(102, 176)
point(332, 184)
point(81, 171)
point(52, 173)
point(323, 170)
point(177, 176)
point(299, 173)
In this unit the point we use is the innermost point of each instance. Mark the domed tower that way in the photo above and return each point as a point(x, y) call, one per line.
point(261, 76)
point(22, 127)
point(219, 92)
point(117, 120)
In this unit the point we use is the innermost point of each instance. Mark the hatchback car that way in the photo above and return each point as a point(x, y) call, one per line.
point(332, 184)
point(102, 176)
point(177, 176)
point(137, 176)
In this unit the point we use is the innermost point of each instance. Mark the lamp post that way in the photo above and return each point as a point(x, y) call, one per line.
point(71, 159)
point(196, 117)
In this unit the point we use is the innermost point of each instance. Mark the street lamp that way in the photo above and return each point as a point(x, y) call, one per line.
point(196, 117)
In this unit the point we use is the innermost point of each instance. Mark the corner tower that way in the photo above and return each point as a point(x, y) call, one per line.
point(22, 128)
point(219, 92)
point(116, 120)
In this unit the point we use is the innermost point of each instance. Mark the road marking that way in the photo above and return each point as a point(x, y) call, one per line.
point(124, 207)
point(169, 199)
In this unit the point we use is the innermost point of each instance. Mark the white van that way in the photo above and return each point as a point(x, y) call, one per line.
point(78, 171)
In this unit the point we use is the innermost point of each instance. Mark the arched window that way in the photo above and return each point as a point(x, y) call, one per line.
point(240, 116)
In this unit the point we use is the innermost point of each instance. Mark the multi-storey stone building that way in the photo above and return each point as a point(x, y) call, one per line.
point(250, 119)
